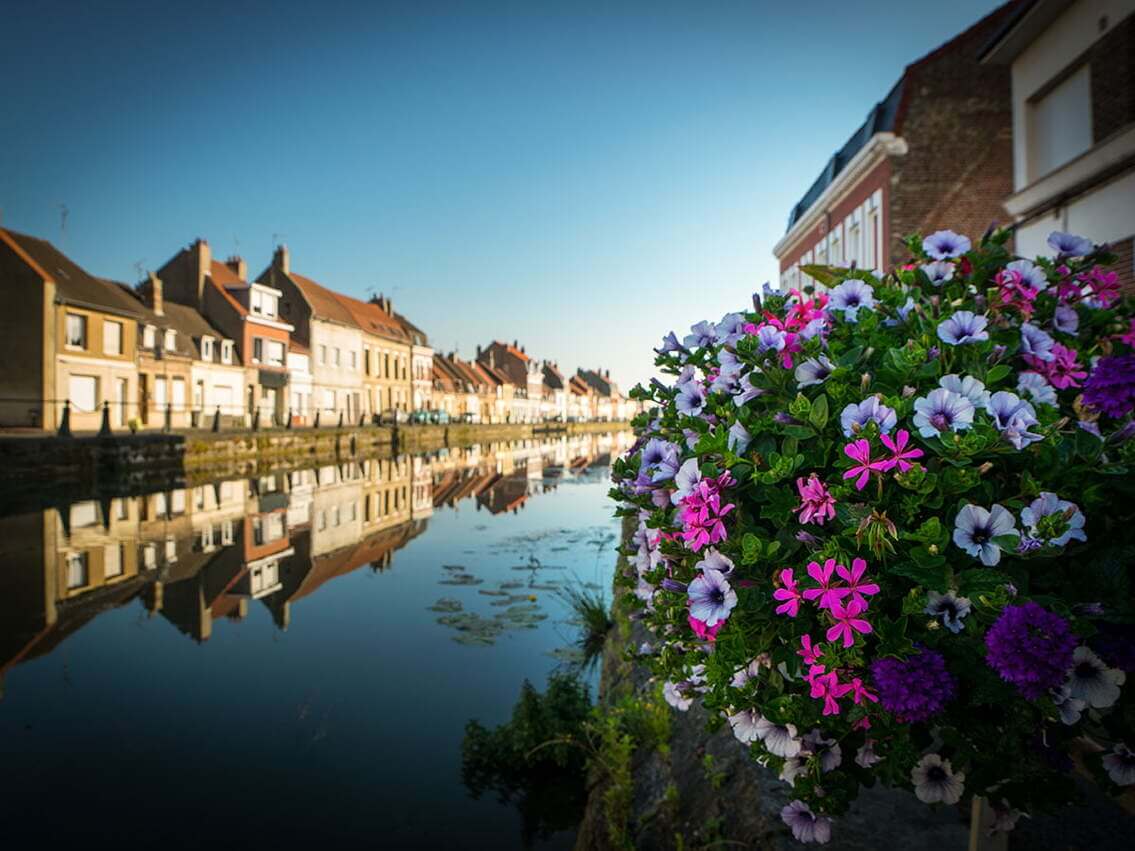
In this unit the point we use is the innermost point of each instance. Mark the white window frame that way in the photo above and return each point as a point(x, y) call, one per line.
point(76, 329)
point(206, 347)
point(107, 325)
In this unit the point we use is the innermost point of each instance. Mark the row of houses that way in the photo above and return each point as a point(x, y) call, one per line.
point(1025, 119)
point(199, 556)
point(199, 342)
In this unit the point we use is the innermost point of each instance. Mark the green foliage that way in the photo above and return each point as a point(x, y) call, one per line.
point(590, 614)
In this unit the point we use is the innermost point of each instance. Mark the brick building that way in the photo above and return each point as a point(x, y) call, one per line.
point(936, 152)
point(1073, 71)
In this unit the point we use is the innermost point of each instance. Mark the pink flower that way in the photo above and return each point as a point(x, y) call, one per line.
point(789, 594)
point(848, 622)
point(816, 504)
point(825, 686)
point(1015, 292)
point(702, 513)
point(860, 450)
point(898, 445)
point(809, 652)
point(1129, 337)
point(1102, 285)
point(827, 595)
point(706, 633)
point(859, 692)
point(852, 577)
point(1062, 371)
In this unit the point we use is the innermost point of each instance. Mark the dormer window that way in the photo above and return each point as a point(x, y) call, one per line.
point(207, 348)
point(149, 336)
point(170, 342)
point(263, 304)
point(226, 351)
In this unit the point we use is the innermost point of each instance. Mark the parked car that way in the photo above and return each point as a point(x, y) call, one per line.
point(440, 417)
point(421, 416)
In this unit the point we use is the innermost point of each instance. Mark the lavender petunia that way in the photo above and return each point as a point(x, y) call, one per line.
point(660, 459)
point(855, 416)
point(1036, 342)
point(975, 529)
point(1013, 417)
point(939, 272)
point(1052, 520)
point(942, 411)
point(806, 826)
point(729, 363)
point(770, 339)
point(1092, 681)
point(850, 296)
point(1030, 273)
point(1065, 319)
point(711, 598)
point(1036, 387)
point(690, 399)
point(747, 391)
point(1070, 245)
point(951, 608)
point(670, 344)
point(936, 782)
point(968, 386)
point(779, 739)
point(739, 438)
point(744, 724)
point(714, 559)
point(963, 327)
point(731, 328)
point(813, 371)
point(702, 334)
point(945, 245)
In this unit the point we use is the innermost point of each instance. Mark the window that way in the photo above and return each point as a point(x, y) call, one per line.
point(257, 350)
point(385, 365)
point(160, 392)
point(149, 556)
point(275, 353)
point(177, 501)
point(171, 550)
point(227, 533)
point(207, 348)
point(112, 561)
point(366, 361)
point(178, 394)
point(853, 236)
point(329, 400)
point(112, 338)
point(338, 356)
point(354, 360)
point(84, 514)
point(83, 391)
point(322, 355)
point(270, 306)
point(76, 331)
point(257, 306)
point(170, 342)
point(78, 574)
point(148, 335)
point(264, 577)
point(227, 351)
point(1060, 124)
point(870, 258)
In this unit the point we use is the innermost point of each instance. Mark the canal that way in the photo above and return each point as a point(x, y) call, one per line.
point(293, 657)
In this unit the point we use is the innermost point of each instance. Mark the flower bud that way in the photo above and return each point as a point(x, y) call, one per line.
point(865, 381)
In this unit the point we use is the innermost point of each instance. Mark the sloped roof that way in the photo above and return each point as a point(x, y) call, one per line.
point(225, 276)
point(325, 304)
point(578, 386)
point(372, 319)
point(73, 285)
point(597, 382)
point(187, 321)
point(417, 336)
point(553, 377)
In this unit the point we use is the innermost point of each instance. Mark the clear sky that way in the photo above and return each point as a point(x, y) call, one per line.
point(581, 177)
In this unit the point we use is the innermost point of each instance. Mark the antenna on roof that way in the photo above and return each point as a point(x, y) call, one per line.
point(63, 213)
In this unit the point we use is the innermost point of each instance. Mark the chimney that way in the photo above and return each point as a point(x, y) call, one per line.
point(238, 267)
point(282, 260)
point(522, 350)
point(478, 352)
point(607, 374)
point(204, 260)
point(152, 294)
point(515, 344)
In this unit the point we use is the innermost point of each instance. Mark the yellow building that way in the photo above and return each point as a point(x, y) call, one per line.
point(73, 337)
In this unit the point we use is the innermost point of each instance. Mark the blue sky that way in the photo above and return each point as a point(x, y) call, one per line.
point(581, 177)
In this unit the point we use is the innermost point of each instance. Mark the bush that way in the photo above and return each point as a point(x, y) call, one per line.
point(887, 530)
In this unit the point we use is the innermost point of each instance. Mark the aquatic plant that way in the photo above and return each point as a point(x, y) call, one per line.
point(888, 530)
point(590, 614)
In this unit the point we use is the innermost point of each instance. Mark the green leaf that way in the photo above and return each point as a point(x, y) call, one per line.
point(977, 581)
point(997, 373)
point(819, 415)
point(799, 431)
point(933, 577)
point(851, 356)
point(750, 548)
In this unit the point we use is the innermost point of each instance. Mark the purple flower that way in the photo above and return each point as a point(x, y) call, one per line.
point(714, 559)
point(778, 739)
point(729, 363)
point(1054, 521)
point(747, 391)
point(686, 479)
point(945, 244)
point(951, 608)
point(731, 328)
point(1092, 681)
point(770, 338)
point(914, 689)
point(1013, 417)
point(975, 530)
point(1036, 342)
point(942, 411)
point(1036, 387)
point(1031, 648)
point(963, 327)
point(969, 387)
point(1030, 274)
point(1119, 765)
point(1068, 245)
point(690, 399)
point(827, 751)
point(711, 598)
point(806, 825)
point(670, 344)
point(854, 417)
point(936, 782)
point(850, 296)
point(1065, 319)
point(739, 438)
point(744, 724)
point(660, 459)
point(703, 334)
point(1110, 389)
point(813, 371)
point(939, 272)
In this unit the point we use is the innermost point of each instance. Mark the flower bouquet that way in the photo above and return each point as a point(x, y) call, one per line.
point(886, 528)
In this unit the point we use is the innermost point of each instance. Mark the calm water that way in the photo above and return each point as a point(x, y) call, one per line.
point(257, 661)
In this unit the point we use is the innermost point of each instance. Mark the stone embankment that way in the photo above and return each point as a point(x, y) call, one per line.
point(49, 468)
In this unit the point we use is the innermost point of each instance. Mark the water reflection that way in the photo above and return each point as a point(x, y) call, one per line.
point(200, 556)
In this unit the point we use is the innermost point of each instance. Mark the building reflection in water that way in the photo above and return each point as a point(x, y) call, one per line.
point(200, 555)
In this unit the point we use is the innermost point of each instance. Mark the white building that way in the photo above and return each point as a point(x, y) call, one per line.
point(300, 385)
point(1073, 123)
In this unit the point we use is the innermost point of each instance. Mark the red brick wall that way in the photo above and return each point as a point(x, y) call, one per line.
point(877, 178)
point(1125, 264)
point(1112, 63)
point(956, 118)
